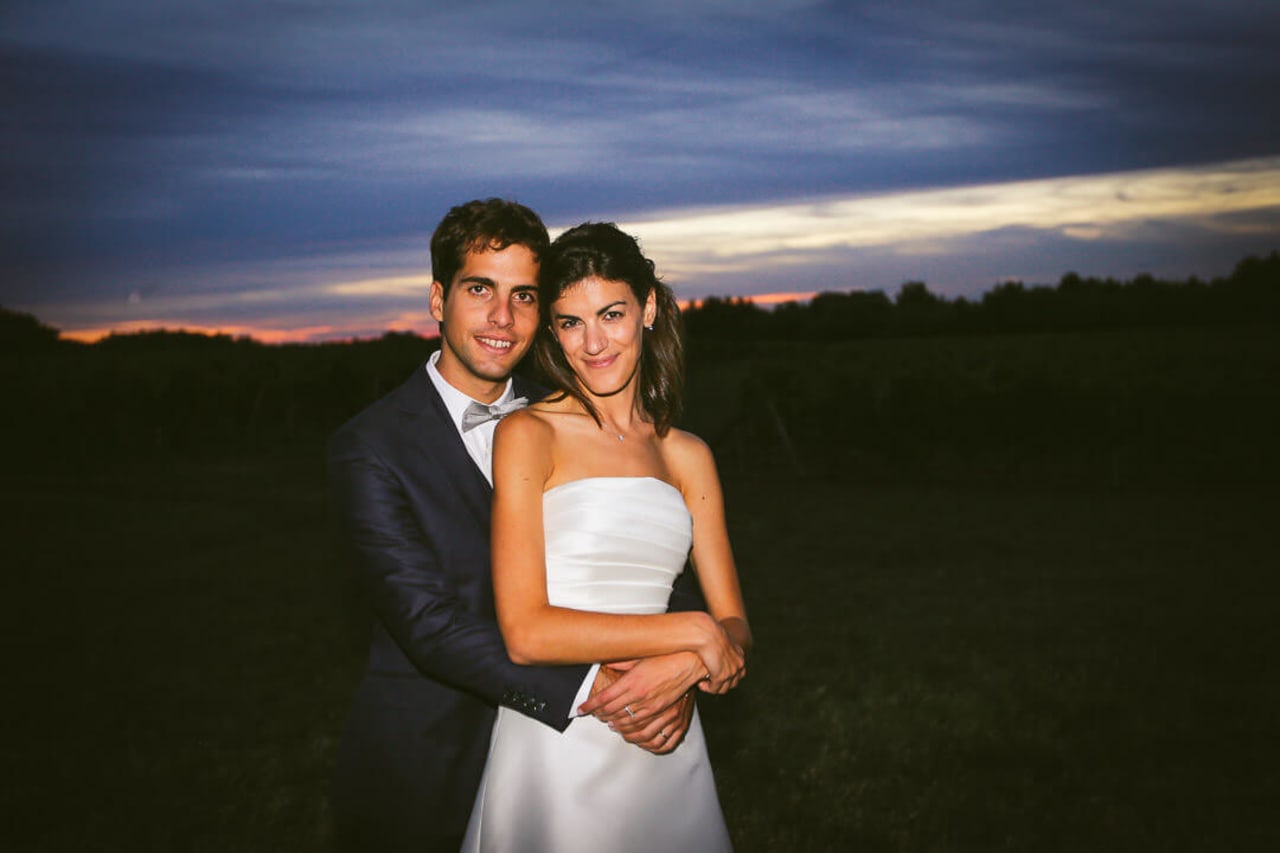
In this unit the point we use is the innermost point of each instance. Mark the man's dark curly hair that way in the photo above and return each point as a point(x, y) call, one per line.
point(490, 224)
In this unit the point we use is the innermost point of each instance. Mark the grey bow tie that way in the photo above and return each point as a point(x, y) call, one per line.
point(479, 413)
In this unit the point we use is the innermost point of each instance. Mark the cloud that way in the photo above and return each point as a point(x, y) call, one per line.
point(1097, 207)
point(959, 239)
point(213, 148)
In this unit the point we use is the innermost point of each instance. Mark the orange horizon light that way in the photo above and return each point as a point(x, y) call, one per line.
point(267, 335)
point(411, 322)
point(764, 299)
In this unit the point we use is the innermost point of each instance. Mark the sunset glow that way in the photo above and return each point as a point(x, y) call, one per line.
point(264, 335)
point(765, 300)
point(725, 251)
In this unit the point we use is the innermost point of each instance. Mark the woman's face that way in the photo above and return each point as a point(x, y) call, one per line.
point(598, 323)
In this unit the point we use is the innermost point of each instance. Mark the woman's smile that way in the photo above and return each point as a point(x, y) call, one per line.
point(598, 323)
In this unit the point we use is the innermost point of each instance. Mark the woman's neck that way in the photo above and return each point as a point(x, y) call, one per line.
point(618, 413)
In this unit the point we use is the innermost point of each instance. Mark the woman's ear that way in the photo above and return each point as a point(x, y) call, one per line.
point(650, 308)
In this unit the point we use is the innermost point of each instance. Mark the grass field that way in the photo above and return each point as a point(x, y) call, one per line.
point(938, 668)
point(975, 670)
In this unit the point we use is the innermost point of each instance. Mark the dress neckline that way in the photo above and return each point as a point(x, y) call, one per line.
point(568, 483)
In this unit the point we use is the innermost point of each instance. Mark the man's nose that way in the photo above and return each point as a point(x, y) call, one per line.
point(500, 314)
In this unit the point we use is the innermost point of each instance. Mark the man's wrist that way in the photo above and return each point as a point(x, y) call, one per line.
point(587, 690)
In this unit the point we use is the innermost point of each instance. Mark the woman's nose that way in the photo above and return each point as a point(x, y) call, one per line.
point(595, 340)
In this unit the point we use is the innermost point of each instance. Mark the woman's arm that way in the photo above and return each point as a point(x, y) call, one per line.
point(694, 467)
point(537, 632)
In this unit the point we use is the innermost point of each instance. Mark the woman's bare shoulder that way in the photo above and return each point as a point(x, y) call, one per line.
point(685, 443)
point(687, 456)
point(525, 426)
point(542, 424)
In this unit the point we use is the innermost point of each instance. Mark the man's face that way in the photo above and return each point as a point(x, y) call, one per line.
point(489, 317)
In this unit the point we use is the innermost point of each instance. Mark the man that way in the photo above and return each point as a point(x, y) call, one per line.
point(411, 480)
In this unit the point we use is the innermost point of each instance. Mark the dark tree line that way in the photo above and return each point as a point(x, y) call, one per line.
point(23, 333)
point(1250, 293)
point(176, 394)
point(853, 382)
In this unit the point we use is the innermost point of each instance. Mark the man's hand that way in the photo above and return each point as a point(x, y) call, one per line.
point(657, 732)
point(666, 730)
point(642, 699)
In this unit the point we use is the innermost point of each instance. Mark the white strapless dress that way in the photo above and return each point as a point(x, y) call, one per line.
point(616, 545)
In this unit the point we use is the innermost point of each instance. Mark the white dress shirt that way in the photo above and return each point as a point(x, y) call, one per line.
point(478, 440)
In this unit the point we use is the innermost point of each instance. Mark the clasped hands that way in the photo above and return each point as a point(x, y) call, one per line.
point(649, 702)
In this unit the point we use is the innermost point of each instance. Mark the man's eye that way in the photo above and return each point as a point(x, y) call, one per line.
point(526, 297)
point(477, 289)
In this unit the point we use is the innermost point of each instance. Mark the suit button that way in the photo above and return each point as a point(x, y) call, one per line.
point(540, 706)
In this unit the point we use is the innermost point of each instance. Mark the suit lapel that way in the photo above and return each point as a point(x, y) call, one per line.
point(437, 439)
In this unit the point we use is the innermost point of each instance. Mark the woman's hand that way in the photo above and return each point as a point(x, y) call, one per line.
point(722, 656)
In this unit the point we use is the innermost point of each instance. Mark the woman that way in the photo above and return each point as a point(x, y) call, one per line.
point(597, 500)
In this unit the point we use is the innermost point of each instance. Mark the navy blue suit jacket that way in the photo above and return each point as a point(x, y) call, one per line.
point(414, 510)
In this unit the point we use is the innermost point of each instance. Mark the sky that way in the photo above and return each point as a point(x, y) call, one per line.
point(275, 168)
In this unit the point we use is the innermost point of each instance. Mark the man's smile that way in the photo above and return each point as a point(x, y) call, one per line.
point(495, 343)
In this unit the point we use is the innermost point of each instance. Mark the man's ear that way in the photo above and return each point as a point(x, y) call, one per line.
point(437, 301)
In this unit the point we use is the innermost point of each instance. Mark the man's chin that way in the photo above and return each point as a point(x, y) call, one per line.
point(497, 369)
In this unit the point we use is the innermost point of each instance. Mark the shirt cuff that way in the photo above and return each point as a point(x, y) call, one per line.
point(584, 692)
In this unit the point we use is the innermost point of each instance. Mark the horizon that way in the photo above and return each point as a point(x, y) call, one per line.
point(764, 301)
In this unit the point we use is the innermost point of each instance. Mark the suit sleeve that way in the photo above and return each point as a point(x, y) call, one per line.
point(419, 604)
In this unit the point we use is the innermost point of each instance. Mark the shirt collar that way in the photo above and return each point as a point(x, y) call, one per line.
point(454, 400)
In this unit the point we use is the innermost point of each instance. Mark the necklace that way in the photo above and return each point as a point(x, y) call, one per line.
point(607, 427)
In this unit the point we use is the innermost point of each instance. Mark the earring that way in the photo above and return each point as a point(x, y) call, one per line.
point(649, 328)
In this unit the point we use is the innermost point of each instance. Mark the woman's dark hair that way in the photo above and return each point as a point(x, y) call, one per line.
point(601, 250)
point(490, 224)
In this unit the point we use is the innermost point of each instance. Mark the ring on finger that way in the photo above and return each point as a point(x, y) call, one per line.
point(630, 714)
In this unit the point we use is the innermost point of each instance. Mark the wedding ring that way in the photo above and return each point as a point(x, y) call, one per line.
point(627, 708)
point(664, 734)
